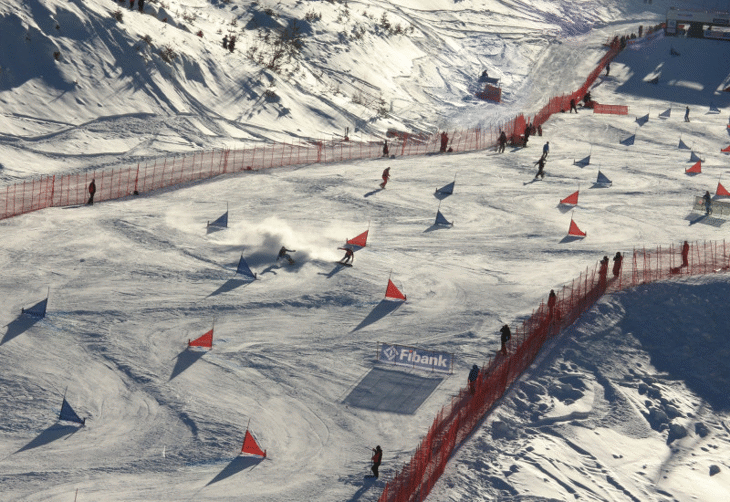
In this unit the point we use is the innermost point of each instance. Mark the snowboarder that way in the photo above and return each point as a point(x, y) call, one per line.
point(385, 148)
point(349, 256)
point(473, 375)
point(708, 203)
point(540, 166)
point(572, 106)
point(502, 142)
point(686, 114)
point(376, 459)
point(444, 141)
point(506, 335)
point(283, 253)
point(386, 177)
point(92, 191)
point(685, 254)
point(546, 150)
point(617, 259)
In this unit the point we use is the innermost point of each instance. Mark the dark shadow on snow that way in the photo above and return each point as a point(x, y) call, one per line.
point(185, 359)
point(367, 483)
point(564, 208)
point(54, 432)
point(237, 465)
point(437, 226)
point(19, 326)
point(571, 238)
point(392, 391)
point(705, 220)
point(373, 192)
point(230, 285)
point(381, 310)
point(334, 271)
point(214, 228)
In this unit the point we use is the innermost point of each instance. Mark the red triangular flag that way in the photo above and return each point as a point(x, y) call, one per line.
point(721, 190)
point(571, 199)
point(251, 447)
point(574, 230)
point(393, 293)
point(204, 341)
point(697, 168)
point(361, 240)
point(726, 150)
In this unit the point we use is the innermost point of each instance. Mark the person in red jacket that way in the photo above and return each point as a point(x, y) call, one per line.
point(386, 177)
point(92, 191)
point(377, 458)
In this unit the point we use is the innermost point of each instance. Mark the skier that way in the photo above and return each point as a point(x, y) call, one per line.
point(385, 148)
point(92, 191)
point(546, 150)
point(386, 177)
point(283, 253)
point(686, 114)
point(444, 141)
point(502, 142)
point(376, 458)
point(540, 166)
point(349, 256)
point(572, 106)
point(473, 375)
point(506, 335)
point(617, 259)
point(708, 203)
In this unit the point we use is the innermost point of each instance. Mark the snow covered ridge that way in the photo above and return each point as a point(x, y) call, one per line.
point(456, 421)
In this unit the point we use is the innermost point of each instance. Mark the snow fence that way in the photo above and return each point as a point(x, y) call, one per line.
point(464, 413)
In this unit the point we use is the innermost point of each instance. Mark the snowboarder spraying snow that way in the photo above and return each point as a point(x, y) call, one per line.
point(473, 375)
point(617, 259)
point(349, 256)
point(502, 142)
point(708, 203)
point(386, 177)
point(506, 335)
point(283, 253)
point(444, 141)
point(385, 148)
point(92, 191)
point(546, 149)
point(376, 459)
point(686, 114)
point(540, 166)
point(572, 106)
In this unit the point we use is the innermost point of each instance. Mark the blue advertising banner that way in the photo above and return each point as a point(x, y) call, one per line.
point(412, 357)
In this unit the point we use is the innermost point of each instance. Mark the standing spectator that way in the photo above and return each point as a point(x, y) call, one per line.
point(603, 272)
point(572, 106)
point(617, 259)
point(608, 69)
point(444, 141)
point(386, 177)
point(232, 43)
point(140, 5)
point(225, 41)
point(527, 134)
point(506, 335)
point(708, 203)
point(376, 458)
point(552, 300)
point(686, 114)
point(685, 254)
point(131, 4)
point(92, 191)
point(385, 148)
point(546, 150)
point(502, 142)
point(473, 375)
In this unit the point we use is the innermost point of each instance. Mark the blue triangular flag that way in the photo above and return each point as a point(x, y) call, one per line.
point(440, 220)
point(446, 189)
point(629, 141)
point(666, 113)
point(602, 180)
point(244, 269)
point(583, 162)
point(682, 145)
point(68, 414)
point(643, 120)
point(222, 221)
point(37, 310)
point(694, 157)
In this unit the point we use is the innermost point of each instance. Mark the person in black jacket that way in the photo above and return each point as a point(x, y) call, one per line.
point(502, 141)
point(92, 191)
point(473, 375)
point(506, 335)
